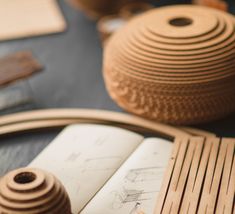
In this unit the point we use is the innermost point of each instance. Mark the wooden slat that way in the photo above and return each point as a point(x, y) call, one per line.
point(175, 181)
point(200, 178)
point(168, 175)
point(183, 176)
point(227, 189)
point(194, 184)
point(213, 175)
point(17, 66)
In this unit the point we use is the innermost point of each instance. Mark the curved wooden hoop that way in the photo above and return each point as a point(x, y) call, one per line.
point(41, 119)
point(57, 118)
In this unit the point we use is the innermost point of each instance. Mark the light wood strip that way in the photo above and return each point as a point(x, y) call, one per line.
point(175, 177)
point(201, 174)
point(227, 189)
point(203, 206)
point(177, 198)
point(168, 176)
point(191, 193)
point(217, 177)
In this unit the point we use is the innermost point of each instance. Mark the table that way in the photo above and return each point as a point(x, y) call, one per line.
point(72, 78)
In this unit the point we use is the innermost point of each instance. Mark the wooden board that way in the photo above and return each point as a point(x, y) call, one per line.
point(25, 18)
point(18, 66)
point(200, 177)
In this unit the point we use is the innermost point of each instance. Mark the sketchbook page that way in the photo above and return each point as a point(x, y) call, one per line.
point(134, 188)
point(84, 157)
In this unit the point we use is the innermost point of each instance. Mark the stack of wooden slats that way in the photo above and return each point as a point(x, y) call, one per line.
point(200, 177)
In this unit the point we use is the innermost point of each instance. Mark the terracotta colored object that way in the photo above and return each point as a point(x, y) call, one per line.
point(135, 8)
point(29, 190)
point(99, 8)
point(174, 64)
point(218, 4)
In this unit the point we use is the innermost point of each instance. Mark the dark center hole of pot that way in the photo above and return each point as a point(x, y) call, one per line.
point(25, 178)
point(181, 21)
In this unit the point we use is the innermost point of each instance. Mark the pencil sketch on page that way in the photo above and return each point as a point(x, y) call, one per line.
point(144, 174)
point(129, 196)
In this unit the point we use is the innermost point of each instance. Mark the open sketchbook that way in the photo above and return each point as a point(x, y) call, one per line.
point(107, 170)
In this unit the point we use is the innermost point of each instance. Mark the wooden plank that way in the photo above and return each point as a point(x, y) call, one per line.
point(17, 66)
point(25, 18)
point(167, 177)
point(175, 177)
point(179, 191)
point(213, 177)
point(227, 189)
point(195, 178)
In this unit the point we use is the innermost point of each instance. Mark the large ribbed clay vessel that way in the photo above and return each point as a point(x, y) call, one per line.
point(174, 64)
point(32, 191)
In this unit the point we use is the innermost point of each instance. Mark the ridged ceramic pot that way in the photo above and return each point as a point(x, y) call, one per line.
point(174, 64)
point(27, 191)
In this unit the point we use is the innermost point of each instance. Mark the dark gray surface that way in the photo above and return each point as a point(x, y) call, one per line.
point(72, 78)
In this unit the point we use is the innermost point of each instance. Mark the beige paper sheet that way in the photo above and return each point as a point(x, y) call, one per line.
point(84, 157)
point(26, 18)
point(135, 186)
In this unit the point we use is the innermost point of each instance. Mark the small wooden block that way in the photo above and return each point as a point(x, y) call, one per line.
point(17, 66)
